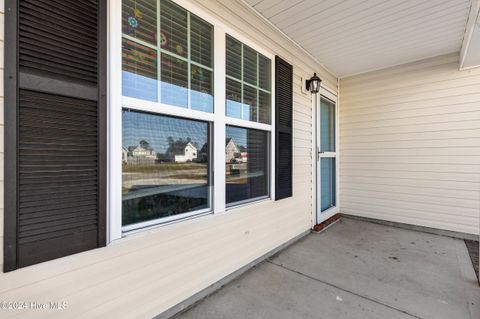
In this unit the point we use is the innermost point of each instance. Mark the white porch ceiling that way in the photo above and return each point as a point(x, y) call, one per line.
point(356, 36)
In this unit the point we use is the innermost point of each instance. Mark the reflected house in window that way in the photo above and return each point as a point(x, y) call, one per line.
point(183, 152)
point(235, 153)
point(124, 154)
point(140, 154)
point(203, 154)
point(167, 172)
point(243, 153)
point(232, 151)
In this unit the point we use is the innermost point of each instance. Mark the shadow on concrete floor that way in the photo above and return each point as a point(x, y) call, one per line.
point(354, 269)
point(472, 247)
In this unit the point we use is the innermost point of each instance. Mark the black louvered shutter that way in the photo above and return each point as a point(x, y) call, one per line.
point(56, 128)
point(283, 128)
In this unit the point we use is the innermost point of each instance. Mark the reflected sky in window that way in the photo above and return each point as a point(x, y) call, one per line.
point(158, 129)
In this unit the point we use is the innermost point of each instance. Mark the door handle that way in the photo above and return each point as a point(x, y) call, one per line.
point(318, 153)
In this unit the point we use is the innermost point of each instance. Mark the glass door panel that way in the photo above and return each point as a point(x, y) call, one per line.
point(327, 183)
point(327, 125)
point(327, 157)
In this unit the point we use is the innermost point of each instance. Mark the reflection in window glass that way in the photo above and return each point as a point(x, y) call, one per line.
point(327, 125)
point(249, 106)
point(201, 34)
point(249, 65)
point(264, 72)
point(139, 19)
point(174, 86)
point(139, 71)
point(183, 44)
point(251, 72)
point(234, 98)
point(174, 28)
point(234, 58)
point(328, 182)
point(165, 167)
point(264, 105)
point(202, 88)
point(246, 157)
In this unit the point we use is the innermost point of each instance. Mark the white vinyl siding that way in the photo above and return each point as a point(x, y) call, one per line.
point(146, 273)
point(410, 145)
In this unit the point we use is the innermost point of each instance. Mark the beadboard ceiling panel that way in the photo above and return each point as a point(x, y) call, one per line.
point(355, 36)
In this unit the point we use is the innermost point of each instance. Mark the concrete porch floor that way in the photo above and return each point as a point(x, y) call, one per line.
point(354, 269)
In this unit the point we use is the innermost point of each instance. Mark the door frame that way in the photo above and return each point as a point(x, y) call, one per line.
point(318, 217)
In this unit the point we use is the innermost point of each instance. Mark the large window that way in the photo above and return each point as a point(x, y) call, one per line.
point(246, 157)
point(167, 58)
point(248, 98)
point(248, 83)
point(175, 124)
point(165, 166)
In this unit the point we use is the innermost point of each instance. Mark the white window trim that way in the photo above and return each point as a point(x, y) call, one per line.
point(117, 102)
point(247, 124)
point(154, 107)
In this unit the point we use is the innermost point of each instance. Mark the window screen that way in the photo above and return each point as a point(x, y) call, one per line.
point(165, 166)
point(246, 160)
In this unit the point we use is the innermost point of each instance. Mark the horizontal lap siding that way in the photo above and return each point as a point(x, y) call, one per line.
point(410, 145)
point(147, 273)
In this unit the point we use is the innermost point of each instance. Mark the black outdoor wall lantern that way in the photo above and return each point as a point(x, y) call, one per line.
point(313, 85)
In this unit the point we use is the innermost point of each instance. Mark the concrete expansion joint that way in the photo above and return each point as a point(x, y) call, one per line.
point(343, 289)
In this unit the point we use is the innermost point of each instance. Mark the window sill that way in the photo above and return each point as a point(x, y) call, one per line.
point(248, 202)
point(157, 223)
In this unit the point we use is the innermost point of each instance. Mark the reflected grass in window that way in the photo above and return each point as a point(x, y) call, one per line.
point(165, 167)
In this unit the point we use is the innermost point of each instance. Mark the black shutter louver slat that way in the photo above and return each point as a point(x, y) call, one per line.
point(32, 161)
point(57, 128)
point(283, 129)
point(63, 28)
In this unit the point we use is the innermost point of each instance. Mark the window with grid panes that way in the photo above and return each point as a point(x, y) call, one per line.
point(167, 58)
point(167, 55)
point(248, 97)
point(248, 83)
